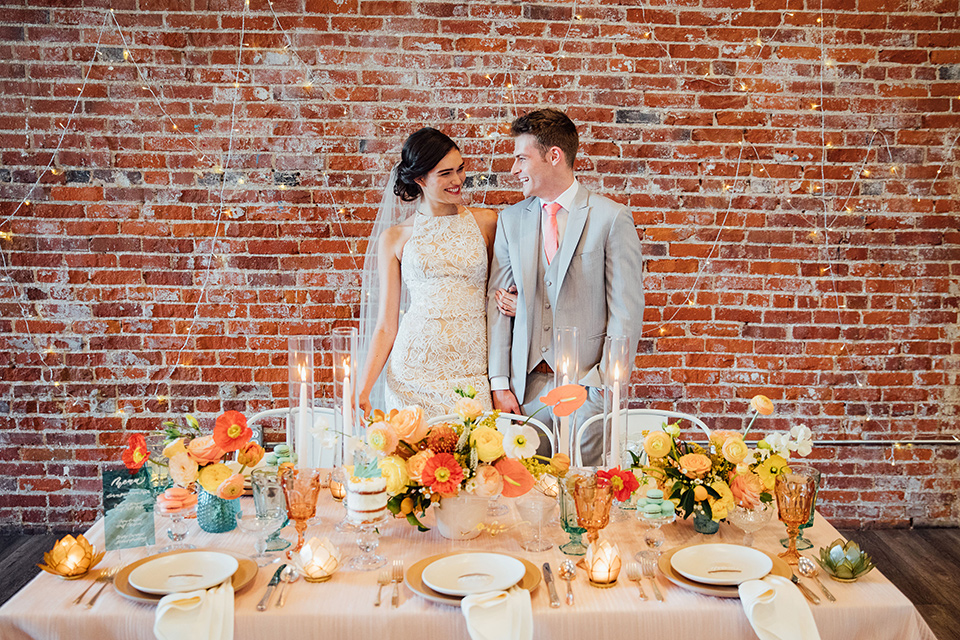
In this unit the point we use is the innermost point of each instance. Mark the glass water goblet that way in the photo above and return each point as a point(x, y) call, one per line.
point(536, 511)
point(260, 527)
point(301, 488)
point(368, 540)
point(653, 536)
point(751, 520)
point(802, 543)
point(794, 490)
point(593, 501)
point(268, 497)
point(568, 520)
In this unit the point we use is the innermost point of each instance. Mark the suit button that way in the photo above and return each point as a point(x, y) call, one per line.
point(543, 349)
point(546, 328)
point(548, 305)
point(549, 284)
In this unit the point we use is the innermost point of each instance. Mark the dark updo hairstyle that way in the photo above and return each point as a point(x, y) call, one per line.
point(422, 151)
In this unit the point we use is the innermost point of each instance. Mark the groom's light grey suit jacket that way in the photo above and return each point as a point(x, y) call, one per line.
point(600, 287)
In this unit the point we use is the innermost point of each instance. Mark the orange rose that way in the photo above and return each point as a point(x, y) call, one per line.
point(746, 488)
point(204, 450)
point(489, 481)
point(409, 424)
point(416, 463)
point(718, 438)
point(695, 465)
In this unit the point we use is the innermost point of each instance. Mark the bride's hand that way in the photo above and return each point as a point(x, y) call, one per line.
point(364, 403)
point(507, 301)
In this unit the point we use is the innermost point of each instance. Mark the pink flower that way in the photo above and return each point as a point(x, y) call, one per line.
point(231, 488)
point(746, 488)
point(204, 450)
point(489, 481)
point(183, 469)
point(694, 465)
point(382, 438)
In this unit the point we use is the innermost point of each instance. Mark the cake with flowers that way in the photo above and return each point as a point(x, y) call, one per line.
point(366, 500)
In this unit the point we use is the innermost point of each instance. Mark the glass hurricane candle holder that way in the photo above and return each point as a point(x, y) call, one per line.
point(593, 501)
point(317, 561)
point(794, 490)
point(301, 488)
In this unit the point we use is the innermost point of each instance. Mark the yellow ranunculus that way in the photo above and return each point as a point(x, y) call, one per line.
point(769, 469)
point(212, 475)
point(488, 443)
point(720, 506)
point(394, 470)
point(657, 444)
point(735, 450)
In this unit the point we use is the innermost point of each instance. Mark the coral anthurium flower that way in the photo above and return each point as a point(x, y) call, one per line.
point(442, 474)
point(136, 453)
point(231, 431)
point(623, 481)
point(565, 399)
point(517, 479)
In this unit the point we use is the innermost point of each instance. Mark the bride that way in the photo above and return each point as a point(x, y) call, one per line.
point(437, 256)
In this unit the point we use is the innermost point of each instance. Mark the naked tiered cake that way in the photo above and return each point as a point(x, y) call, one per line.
point(366, 500)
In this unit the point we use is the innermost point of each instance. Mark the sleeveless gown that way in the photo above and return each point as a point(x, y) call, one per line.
point(441, 343)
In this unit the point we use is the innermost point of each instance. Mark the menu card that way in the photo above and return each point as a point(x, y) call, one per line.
point(128, 508)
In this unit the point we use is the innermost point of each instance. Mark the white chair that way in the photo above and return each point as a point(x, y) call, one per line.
point(318, 456)
point(638, 421)
point(507, 418)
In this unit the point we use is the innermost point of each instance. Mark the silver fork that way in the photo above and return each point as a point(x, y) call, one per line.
point(634, 574)
point(649, 571)
point(396, 578)
point(106, 578)
point(383, 580)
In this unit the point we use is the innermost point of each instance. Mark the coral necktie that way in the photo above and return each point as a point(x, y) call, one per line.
point(550, 233)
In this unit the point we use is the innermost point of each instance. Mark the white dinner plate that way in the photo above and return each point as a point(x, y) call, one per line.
point(183, 572)
point(467, 573)
point(726, 564)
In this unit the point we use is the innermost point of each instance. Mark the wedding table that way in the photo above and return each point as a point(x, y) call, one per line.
point(870, 609)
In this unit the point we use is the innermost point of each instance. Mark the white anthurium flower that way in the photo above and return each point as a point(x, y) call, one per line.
point(520, 441)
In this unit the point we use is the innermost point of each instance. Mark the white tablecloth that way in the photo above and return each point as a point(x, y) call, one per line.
point(871, 609)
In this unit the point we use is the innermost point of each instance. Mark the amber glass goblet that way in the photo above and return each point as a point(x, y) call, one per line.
point(795, 490)
point(301, 488)
point(593, 500)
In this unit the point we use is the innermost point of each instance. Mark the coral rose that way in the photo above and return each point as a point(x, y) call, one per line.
point(489, 482)
point(250, 454)
point(394, 471)
point(416, 463)
point(409, 424)
point(231, 488)
point(658, 444)
point(694, 465)
point(468, 409)
point(382, 438)
point(183, 468)
point(488, 442)
point(204, 450)
point(746, 488)
point(735, 450)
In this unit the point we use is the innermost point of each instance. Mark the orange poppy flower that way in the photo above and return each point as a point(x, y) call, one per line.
point(231, 431)
point(136, 453)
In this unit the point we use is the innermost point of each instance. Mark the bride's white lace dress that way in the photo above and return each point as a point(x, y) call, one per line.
point(442, 340)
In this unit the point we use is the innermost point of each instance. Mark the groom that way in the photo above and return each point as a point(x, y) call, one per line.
point(574, 258)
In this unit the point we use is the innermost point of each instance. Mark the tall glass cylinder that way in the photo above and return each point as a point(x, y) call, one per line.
point(615, 377)
point(345, 344)
point(566, 344)
point(301, 393)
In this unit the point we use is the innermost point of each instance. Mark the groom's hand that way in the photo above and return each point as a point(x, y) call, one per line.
point(505, 402)
point(507, 302)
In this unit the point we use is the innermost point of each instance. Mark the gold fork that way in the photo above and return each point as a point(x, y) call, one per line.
point(649, 571)
point(634, 574)
point(396, 578)
point(90, 586)
point(383, 580)
point(106, 578)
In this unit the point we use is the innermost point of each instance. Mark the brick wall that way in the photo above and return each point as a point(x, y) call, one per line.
point(790, 167)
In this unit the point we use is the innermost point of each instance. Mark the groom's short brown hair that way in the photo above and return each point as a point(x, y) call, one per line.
point(551, 128)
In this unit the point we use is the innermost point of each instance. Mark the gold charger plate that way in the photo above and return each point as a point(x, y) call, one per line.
point(244, 575)
point(414, 578)
point(780, 568)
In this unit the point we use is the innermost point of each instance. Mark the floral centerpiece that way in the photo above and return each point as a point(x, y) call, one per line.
point(423, 464)
point(712, 481)
point(193, 457)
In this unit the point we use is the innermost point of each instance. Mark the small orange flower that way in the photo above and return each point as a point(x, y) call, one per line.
point(136, 453)
point(565, 399)
point(250, 454)
point(762, 404)
point(231, 488)
point(231, 431)
point(517, 479)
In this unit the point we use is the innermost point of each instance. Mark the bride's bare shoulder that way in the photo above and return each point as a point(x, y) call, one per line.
point(395, 237)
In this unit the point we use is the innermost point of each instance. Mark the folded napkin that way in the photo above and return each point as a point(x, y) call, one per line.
point(206, 614)
point(499, 615)
point(777, 610)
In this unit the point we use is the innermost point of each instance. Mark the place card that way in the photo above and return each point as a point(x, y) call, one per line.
point(128, 509)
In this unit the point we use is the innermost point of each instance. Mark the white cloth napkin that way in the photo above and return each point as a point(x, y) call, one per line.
point(206, 614)
point(499, 615)
point(777, 610)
